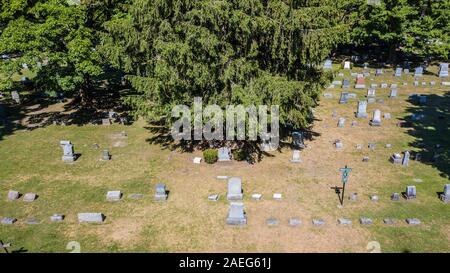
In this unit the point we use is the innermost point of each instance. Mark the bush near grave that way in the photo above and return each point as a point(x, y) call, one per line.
point(210, 156)
point(239, 155)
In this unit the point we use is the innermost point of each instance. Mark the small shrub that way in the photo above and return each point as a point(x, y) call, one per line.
point(210, 156)
point(239, 155)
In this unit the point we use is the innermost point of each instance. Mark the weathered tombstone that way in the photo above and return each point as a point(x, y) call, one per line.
point(236, 214)
point(296, 157)
point(344, 221)
point(398, 72)
point(297, 140)
point(366, 159)
point(105, 155)
point(256, 196)
point(68, 151)
point(90, 217)
point(13, 195)
point(388, 145)
point(29, 197)
point(362, 109)
point(411, 192)
point(432, 83)
point(395, 196)
point(406, 70)
point(413, 221)
point(347, 65)
point(328, 95)
point(365, 221)
point(346, 83)
point(353, 196)
point(354, 123)
point(418, 157)
point(358, 146)
point(376, 121)
point(338, 144)
point(416, 83)
point(372, 146)
point(272, 221)
point(277, 196)
point(360, 83)
point(387, 115)
point(344, 98)
point(406, 156)
point(371, 92)
point(234, 189)
point(418, 72)
point(8, 220)
point(113, 195)
point(445, 195)
point(396, 158)
point(224, 154)
point(352, 95)
point(15, 96)
point(445, 83)
point(160, 192)
point(318, 222)
point(32, 221)
point(197, 160)
point(394, 86)
point(378, 72)
point(354, 74)
point(328, 64)
point(341, 122)
point(106, 121)
point(384, 85)
point(374, 85)
point(374, 198)
point(293, 222)
point(389, 221)
point(57, 218)
point(443, 70)
point(393, 93)
point(424, 83)
point(213, 197)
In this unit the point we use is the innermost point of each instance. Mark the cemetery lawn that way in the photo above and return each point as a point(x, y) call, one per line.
point(30, 161)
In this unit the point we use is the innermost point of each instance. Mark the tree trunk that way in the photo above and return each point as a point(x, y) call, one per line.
point(393, 53)
point(85, 92)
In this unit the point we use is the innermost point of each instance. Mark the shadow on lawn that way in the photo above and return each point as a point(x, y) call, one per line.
point(429, 124)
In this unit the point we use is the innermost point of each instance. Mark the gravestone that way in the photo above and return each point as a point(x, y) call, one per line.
point(29, 197)
point(293, 222)
point(341, 122)
point(234, 189)
point(256, 196)
point(443, 70)
point(360, 83)
point(354, 74)
point(346, 83)
point(387, 115)
point(388, 145)
point(15, 97)
point(358, 146)
point(406, 70)
point(445, 195)
point(32, 221)
point(224, 154)
point(411, 192)
point(336, 82)
point(370, 100)
point(418, 157)
point(389, 221)
point(395, 196)
point(334, 114)
point(378, 72)
point(277, 196)
point(90, 217)
point(418, 72)
point(384, 85)
point(347, 65)
point(374, 85)
point(370, 92)
point(328, 95)
point(394, 86)
point(272, 221)
point(113, 195)
point(416, 83)
point(8, 220)
point(340, 74)
point(424, 83)
point(374, 198)
point(398, 72)
point(68, 151)
point(393, 93)
point(318, 222)
point(362, 109)
point(413, 221)
point(160, 192)
point(445, 83)
point(376, 121)
point(57, 218)
point(297, 140)
point(197, 160)
point(338, 144)
point(371, 146)
point(432, 83)
point(353, 196)
point(354, 123)
point(136, 196)
point(396, 158)
point(344, 98)
point(13, 195)
point(213, 197)
point(105, 155)
point(106, 121)
point(365, 221)
point(236, 214)
point(352, 95)
point(328, 64)
point(344, 222)
point(296, 157)
point(406, 156)
point(366, 159)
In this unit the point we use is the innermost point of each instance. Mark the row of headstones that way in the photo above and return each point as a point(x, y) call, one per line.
point(161, 194)
point(84, 217)
point(345, 96)
point(236, 193)
point(360, 84)
point(69, 152)
point(237, 217)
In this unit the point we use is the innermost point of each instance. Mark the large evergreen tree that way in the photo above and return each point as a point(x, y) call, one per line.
point(227, 52)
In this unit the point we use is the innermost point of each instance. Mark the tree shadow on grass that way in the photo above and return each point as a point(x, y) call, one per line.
point(429, 124)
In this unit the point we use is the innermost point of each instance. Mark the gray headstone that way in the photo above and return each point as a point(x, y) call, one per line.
point(328, 64)
point(318, 222)
point(57, 218)
point(388, 145)
point(136, 196)
point(113, 195)
point(234, 189)
point(90, 217)
point(344, 221)
point(105, 155)
point(384, 85)
point(15, 96)
point(406, 156)
point(396, 158)
point(378, 72)
point(395, 196)
point(443, 70)
point(341, 122)
point(366, 159)
point(374, 198)
point(413, 221)
point(68, 151)
point(160, 192)
point(371, 92)
point(358, 146)
point(106, 121)
point(328, 95)
point(236, 214)
point(365, 221)
point(411, 192)
point(389, 221)
point(338, 144)
point(224, 154)
point(32, 221)
point(272, 221)
point(387, 115)
point(344, 98)
point(296, 157)
point(371, 100)
point(213, 197)
point(345, 83)
point(362, 109)
point(376, 121)
point(353, 196)
point(8, 220)
point(418, 72)
point(256, 196)
point(294, 222)
point(13, 195)
point(393, 93)
point(371, 146)
point(29, 197)
point(398, 72)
